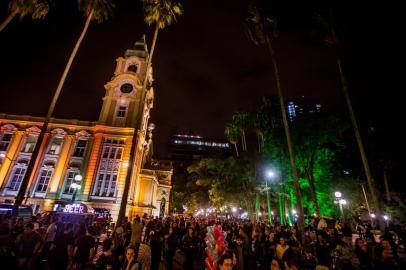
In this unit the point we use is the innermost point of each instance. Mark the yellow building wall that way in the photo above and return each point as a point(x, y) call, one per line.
point(12, 153)
point(93, 163)
point(60, 167)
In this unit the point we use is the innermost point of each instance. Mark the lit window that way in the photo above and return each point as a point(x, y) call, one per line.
point(45, 176)
point(80, 148)
point(55, 148)
point(17, 178)
point(70, 177)
point(5, 141)
point(122, 110)
point(29, 144)
point(106, 180)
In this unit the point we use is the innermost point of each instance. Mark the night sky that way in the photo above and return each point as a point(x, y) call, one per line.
point(204, 66)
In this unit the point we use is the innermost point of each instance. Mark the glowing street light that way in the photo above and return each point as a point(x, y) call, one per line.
point(234, 209)
point(76, 186)
point(337, 194)
point(342, 202)
point(373, 215)
point(270, 175)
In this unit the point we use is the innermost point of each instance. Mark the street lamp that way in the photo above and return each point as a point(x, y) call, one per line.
point(386, 218)
point(270, 175)
point(338, 200)
point(2, 155)
point(75, 186)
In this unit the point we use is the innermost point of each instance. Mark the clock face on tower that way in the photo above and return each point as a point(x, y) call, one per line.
point(126, 88)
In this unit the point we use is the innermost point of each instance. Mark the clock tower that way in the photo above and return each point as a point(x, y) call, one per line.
point(123, 93)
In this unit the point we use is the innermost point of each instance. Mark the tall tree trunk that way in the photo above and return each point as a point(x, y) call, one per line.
point(260, 138)
point(9, 18)
point(288, 137)
point(236, 149)
point(370, 180)
point(313, 194)
point(124, 198)
point(29, 172)
point(385, 180)
point(243, 142)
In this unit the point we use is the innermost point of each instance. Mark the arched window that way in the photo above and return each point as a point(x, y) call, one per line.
point(6, 133)
point(17, 176)
point(45, 176)
point(106, 180)
point(133, 68)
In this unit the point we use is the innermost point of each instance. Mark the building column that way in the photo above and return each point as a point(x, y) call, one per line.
point(93, 164)
point(12, 153)
point(60, 167)
point(38, 164)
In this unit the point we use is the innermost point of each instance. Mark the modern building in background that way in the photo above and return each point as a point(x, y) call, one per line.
point(188, 147)
point(98, 152)
point(301, 107)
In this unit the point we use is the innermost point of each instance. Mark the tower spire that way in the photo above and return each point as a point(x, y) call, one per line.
point(140, 49)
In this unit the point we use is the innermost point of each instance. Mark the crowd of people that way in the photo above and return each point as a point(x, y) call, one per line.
point(180, 243)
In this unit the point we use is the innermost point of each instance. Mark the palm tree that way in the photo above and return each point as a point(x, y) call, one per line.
point(241, 121)
point(98, 10)
point(37, 8)
point(333, 42)
point(162, 13)
point(262, 29)
point(232, 135)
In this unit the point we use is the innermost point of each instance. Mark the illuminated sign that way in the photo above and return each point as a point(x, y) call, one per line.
point(74, 208)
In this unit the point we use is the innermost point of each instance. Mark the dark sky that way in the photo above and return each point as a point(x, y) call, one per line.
point(204, 65)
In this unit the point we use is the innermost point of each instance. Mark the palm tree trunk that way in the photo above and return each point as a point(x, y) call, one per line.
point(385, 181)
point(288, 138)
point(124, 198)
point(310, 177)
point(9, 18)
point(69, 64)
point(236, 149)
point(34, 156)
point(370, 180)
point(243, 141)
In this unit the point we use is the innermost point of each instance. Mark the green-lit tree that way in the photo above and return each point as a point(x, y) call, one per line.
point(317, 139)
point(228, 180)
point(161, 13)
point(98, 10)
point(38, 9)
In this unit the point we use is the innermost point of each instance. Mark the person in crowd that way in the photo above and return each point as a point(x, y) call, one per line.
point(84, 250)
point(62, 248)
point(106, 259)
point(29, 245)
point(130, 260)
point(225, 262)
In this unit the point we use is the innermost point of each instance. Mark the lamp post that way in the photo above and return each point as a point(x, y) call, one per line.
point(340, 201)
point(75, 186)
point(2, 155)
point(270, 175)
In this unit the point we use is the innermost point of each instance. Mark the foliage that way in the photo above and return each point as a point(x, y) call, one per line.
point(102, 9)
point(161, 12)
point(37, 8)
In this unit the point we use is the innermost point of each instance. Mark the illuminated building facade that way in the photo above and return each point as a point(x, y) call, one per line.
point(98, 151)
point(183, 147)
